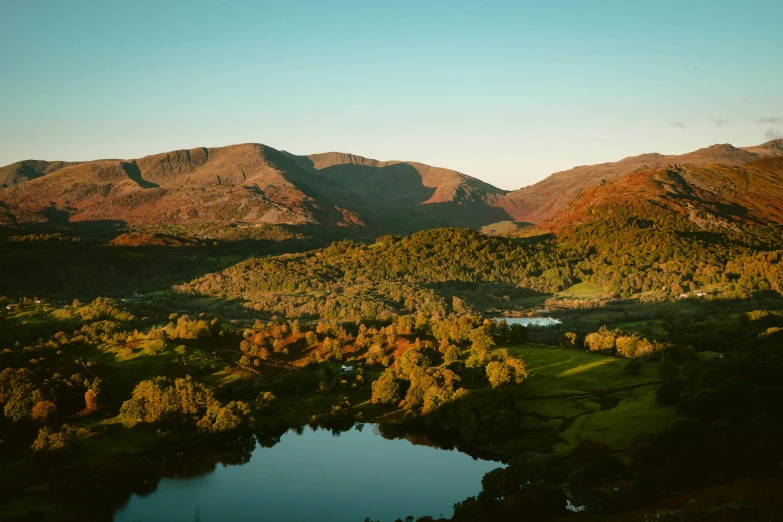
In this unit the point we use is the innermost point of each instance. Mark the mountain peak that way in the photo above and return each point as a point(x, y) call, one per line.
point(251, 183)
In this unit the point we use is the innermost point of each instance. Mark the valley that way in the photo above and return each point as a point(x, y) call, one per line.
point(585, 354)
point(391, 261)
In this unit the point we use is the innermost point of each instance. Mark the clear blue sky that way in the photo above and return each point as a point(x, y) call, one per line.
point(507, 91)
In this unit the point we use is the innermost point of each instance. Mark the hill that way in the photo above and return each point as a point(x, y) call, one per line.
point(22, 171)
point(253, 184)
point(544, 199)
point(248, 183)
point(709, 197)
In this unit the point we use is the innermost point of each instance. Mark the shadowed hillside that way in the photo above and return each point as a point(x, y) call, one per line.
point(249, 183)
point(22, 171)
point(409, 195)
point(255, 184)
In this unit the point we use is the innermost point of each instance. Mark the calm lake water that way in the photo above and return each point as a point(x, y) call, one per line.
point(525, 321)
point(317, 476)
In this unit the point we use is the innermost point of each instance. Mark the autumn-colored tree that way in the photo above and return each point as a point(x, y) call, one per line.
point(228, 418)
point(50, 440)
point(498, 373)
point(510, 370)
point(451, 355)
point(481, 338)
point(160, 400)
point(266, 402)
point(386, 389)
point(91, 400)
point(568, 340)
point(43, 411)
point(18, 394)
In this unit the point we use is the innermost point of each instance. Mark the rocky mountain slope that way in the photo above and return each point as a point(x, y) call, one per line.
point(708, 196)
point(249, 183)
point(256, 184)
point(544, 199)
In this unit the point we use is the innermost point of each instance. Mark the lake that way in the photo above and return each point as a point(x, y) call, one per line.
point(527, 321)
point(316, 476)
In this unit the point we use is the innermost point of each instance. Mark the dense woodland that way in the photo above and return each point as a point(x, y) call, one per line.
point(224, 341)
point(460, 271)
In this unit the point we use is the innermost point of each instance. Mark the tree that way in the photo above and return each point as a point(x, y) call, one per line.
point(481, 338)
point(668, 393)
point(43, 411)
point(506, 371)
point(519, 369)
point(386, 390)
point(42, 440)
point(601, 341)
point(49, 440)
point(91, 400)
point(267, 402)
point(668, 369)
point(705, 404)
point(592, 459)
point(18, 394)
point(230, 417)
point(498, 373)
point(568, 340)
point(451, 355)
point(496, 485)
point(182, 401)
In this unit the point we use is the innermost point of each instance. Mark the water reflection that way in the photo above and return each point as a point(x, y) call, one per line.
point(204, 459)
point(383, 473)
point(529, 321)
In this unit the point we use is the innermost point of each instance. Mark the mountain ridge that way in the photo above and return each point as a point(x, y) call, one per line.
point(541, 201)
point(248, 183)
point(707, 196)
point(257, 184)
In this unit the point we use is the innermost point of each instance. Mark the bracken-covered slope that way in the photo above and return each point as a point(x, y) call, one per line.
point(256, 184)
point(408, 195)
point(22, 171)
point(544, 199)
point(249, 183)
point(708, 196)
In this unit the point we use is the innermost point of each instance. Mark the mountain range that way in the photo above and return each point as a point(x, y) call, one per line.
point(256, 184)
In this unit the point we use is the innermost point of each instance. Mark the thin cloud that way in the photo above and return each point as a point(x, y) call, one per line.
point(774, 120)
point(678, 124)
point(720, 122)
point(773, 133)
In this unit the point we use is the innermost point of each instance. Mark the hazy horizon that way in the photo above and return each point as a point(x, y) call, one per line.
point(505, 92)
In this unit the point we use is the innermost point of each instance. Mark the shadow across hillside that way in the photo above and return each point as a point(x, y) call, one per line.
point(488, 296)
point(85, 269)
point(393, 198)
point(134, 173)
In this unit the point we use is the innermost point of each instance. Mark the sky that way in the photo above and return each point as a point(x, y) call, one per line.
point(506, 91)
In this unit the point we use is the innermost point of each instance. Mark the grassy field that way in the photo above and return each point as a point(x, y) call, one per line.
point(636, 412)
point(559, 377)
point(585, 289)
point(556, 371)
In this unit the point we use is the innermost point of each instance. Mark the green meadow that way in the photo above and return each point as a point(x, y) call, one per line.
point(592, 396)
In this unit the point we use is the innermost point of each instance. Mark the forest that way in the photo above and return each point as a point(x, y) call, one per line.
point(358, 261)
point(661, 377)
